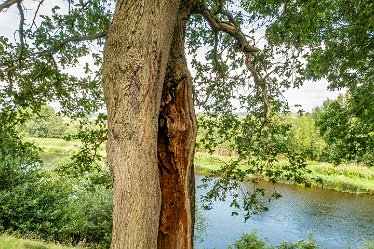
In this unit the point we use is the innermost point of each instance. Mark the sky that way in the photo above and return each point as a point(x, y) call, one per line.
point(309, 96)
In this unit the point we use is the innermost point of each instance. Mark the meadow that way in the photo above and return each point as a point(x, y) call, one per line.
point(351, 178)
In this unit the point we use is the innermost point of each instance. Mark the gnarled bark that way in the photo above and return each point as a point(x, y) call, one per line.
point(151, 125)
point(135, 58)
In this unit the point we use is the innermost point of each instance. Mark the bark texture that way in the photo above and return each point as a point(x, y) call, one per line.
point(176, 144)
point(135, 58)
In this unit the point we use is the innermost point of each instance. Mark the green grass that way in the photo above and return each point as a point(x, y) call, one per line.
point(11, 242)
point(347, 178)
point(57, 149)
point(205, 163)
point(54, 146)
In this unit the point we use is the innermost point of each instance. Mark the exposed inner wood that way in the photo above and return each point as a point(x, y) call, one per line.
point(176, 143)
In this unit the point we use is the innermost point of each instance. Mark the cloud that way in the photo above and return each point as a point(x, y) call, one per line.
point(310, 95)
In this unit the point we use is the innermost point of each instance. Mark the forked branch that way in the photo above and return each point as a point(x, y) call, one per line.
point(242, 45)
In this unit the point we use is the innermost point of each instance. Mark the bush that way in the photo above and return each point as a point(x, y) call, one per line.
point(90, 217)
point(249, 241)
point(58, 208)
point(35, 208)
point(252, 241)
point(19, 161)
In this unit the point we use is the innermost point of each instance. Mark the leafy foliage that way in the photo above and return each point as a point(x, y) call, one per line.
point(249, 241)
point(304, 137)
point(57, 57)
point(347, 125)
point(45, 123)
point(59, 208)
point(252, 241)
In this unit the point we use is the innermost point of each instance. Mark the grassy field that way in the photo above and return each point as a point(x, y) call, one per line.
point(11, 242)
point(346, 178)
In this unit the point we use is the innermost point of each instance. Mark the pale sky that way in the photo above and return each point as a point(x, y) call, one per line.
point(309, 96)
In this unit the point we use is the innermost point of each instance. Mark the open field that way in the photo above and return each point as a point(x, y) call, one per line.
point(347, 178)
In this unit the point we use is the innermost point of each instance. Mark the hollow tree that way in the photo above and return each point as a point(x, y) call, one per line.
point(150, 96)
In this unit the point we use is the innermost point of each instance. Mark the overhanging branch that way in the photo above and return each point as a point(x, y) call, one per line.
point(79, 39)
point(51, 51)
point(7, 4)
point(242, 45)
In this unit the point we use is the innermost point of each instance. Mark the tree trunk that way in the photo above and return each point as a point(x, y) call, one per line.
point(135, 58)
point(176, 145)
point(150, 142)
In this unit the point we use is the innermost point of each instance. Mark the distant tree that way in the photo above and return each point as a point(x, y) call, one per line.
point(45, 123)
point(347, 125)
point(304, 137)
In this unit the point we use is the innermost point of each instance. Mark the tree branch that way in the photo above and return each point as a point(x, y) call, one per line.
point(77, 39)
point(36, 12)
point(229, 28)
point(242, 45)
point(7, 4)
point(20, 32)
point(51, 51)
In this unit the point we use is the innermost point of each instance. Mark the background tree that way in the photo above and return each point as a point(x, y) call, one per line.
point(44, 124)
point(149, 93)
point(347, 126)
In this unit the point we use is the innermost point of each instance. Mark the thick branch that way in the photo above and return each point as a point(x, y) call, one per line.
point(7, 4)
point(229, 28)
point(242, 45)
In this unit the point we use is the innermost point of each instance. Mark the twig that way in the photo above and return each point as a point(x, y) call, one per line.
point(36, 12)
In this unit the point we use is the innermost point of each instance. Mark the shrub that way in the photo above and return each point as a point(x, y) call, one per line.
point(252, 241)
point(58, 208)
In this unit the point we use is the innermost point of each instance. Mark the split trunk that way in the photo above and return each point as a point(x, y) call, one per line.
point(151, 125)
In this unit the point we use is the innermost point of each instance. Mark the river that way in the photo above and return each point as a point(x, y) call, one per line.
point(336, 219)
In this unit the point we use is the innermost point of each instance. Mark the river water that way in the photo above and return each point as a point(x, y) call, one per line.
point(336, 220)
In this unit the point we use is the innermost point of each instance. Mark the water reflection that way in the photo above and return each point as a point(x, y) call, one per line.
point(337, 220)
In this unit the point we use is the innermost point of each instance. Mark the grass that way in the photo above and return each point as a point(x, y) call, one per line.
point(11, 242)
point(54, 146)
point(57, 149)
point(346, 178)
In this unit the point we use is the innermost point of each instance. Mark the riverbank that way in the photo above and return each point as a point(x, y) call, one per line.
point(11, 242)
point(345, 178)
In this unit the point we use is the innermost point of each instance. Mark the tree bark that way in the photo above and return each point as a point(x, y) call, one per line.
point(176, 145)
point(135, 58)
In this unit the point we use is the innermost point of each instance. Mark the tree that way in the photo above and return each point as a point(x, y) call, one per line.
point(44, 124)
point(347, 126)
point(149, 93)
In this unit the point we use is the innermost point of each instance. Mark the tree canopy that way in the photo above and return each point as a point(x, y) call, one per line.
point(297, 41)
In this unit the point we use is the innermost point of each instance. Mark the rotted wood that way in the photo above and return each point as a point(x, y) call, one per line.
point(176, 144)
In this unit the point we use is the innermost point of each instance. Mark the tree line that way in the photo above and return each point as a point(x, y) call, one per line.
point(330, 133)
